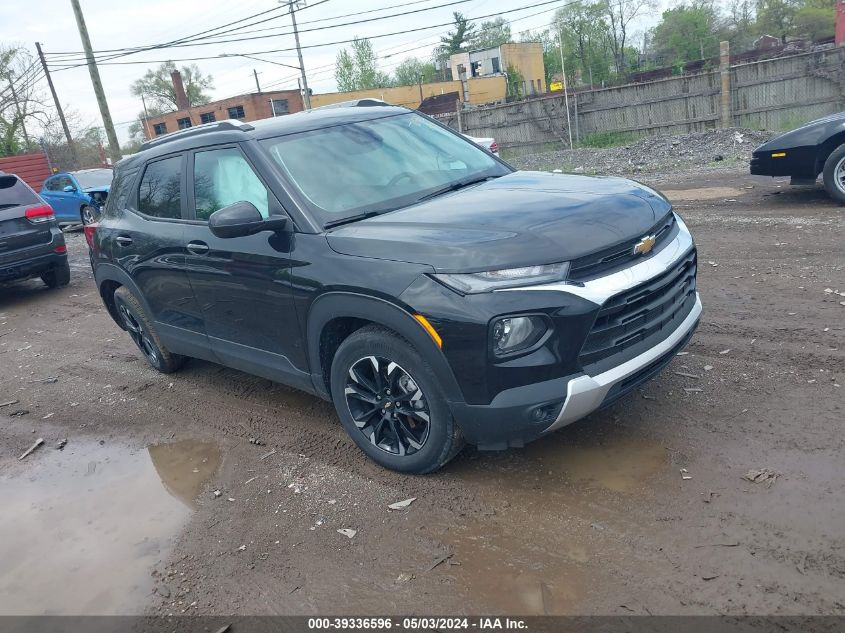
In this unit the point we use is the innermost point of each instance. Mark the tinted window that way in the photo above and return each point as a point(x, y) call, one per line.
point(160, 192)
point(119, 191)
point(14, 192)
point(59, 183)
point(53, 185)
point(222, 177)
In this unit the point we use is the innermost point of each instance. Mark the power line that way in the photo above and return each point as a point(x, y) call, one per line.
point(347, 41)
point(319, 69)
point(132, 51)
point(318, 28)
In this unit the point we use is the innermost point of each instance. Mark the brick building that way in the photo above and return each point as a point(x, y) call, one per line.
point(248, 107)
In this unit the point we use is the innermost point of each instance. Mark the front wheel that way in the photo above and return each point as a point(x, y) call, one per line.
point(390, 402)
point(834, 174)
point(88, 214)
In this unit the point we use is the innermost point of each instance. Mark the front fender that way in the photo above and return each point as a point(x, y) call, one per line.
point(341, 304)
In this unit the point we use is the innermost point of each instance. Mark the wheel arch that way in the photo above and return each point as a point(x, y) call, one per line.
point(109, 278)
point(827, 148)
point(336, 315)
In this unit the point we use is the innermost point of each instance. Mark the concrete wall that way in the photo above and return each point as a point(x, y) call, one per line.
point(527, 59)
point(256, 106)
point(481, 90)
point(775, 94)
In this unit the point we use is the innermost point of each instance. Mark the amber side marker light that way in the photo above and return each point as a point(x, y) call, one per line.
point(779, 155)
point(430, 329)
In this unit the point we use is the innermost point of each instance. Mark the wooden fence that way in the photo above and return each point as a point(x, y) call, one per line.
point(774, 94)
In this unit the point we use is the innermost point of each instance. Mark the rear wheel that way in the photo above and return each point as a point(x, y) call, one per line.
point(88, 214)
point(57, 276)
point(140, 330)
point(391, 404)
point(834, 174)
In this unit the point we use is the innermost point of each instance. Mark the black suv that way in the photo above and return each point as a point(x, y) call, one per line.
point(31, 243)
point(373, 257)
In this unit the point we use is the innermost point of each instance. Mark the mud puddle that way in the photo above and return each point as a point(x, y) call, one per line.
point(81, 529)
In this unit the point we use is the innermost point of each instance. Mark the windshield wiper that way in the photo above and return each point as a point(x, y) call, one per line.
point(351, 218)
point(455, 186)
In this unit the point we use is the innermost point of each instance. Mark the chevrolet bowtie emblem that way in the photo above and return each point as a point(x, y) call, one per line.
point(645, 245)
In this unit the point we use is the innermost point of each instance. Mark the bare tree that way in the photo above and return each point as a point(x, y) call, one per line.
point(22, 103)
point(620, 14)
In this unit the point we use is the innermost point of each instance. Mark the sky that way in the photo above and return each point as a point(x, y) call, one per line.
point(116, 24)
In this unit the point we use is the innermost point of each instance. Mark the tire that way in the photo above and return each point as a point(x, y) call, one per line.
point(834, 174)
point(392, 428)
point(88, 214)
point(139, 327)
point(57, 276)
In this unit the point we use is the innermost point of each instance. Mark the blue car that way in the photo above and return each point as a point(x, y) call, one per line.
point(78, 196)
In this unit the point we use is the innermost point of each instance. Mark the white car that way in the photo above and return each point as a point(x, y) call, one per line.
point(489, 144)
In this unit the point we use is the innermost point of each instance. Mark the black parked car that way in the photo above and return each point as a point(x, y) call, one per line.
point(375, 258)
point(31, 243)
point(817, 148)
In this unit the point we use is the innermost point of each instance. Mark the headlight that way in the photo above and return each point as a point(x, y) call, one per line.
point(471, 283)
point(512, 334)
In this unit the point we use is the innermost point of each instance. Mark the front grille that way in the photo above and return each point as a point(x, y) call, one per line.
point(618, 255)
point(651, 309)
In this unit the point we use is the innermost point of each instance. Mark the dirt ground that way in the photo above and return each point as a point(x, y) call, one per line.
point(638, 509)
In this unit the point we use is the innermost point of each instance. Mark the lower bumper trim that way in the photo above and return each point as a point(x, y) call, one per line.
point(585, 394)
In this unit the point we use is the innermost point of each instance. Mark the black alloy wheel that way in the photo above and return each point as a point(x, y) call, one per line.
point(387, 405)
point(139, 335)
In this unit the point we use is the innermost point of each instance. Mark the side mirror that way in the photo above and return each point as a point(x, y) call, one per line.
point(241, 219)
point(69, 189)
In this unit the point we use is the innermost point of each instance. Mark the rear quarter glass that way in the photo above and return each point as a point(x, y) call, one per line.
point(14, 192)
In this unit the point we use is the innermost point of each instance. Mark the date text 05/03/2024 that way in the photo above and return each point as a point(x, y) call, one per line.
point(416, 623)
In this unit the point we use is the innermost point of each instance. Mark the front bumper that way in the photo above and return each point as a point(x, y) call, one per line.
point(512, 417)
point(585, 394)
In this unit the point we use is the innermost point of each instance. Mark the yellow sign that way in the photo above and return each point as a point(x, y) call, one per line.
point(555, 86)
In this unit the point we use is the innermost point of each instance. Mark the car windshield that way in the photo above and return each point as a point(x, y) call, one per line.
point(94, 178)
point(378, 165)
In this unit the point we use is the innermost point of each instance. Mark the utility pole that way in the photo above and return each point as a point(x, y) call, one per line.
point(18, 109)
point(147, 132)
point(114, 146)
point(257, 85)
point(565, 87)
point(56, 101)
point(306, 97)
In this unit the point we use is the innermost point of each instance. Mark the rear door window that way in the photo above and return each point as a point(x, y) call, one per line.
point(160, 191)
point(14, 192)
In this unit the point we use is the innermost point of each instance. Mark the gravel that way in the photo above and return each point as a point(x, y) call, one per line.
point(654, 154)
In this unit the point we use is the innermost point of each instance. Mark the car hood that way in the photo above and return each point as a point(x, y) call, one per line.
point(812, 133)
point(103, 188)
point(520, 219)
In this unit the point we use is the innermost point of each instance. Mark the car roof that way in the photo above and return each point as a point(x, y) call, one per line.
point(236, 131)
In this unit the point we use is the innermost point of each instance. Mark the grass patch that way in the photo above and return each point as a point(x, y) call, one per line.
point(608, 139)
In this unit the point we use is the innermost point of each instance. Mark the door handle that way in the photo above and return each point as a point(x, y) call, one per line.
point(123, 240)
point(198, 248)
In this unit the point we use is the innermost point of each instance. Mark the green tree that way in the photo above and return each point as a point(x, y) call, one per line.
point(516, 82)
point(156, 86)
point(457, 40)
point(357, 68)
point(490, 34)
point(776, 17)
point(686, 33)
point(586, 36)
point(410, 70)
point(814, 22)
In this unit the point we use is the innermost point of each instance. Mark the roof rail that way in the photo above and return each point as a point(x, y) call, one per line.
point(217, 126)
point(355, 103)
